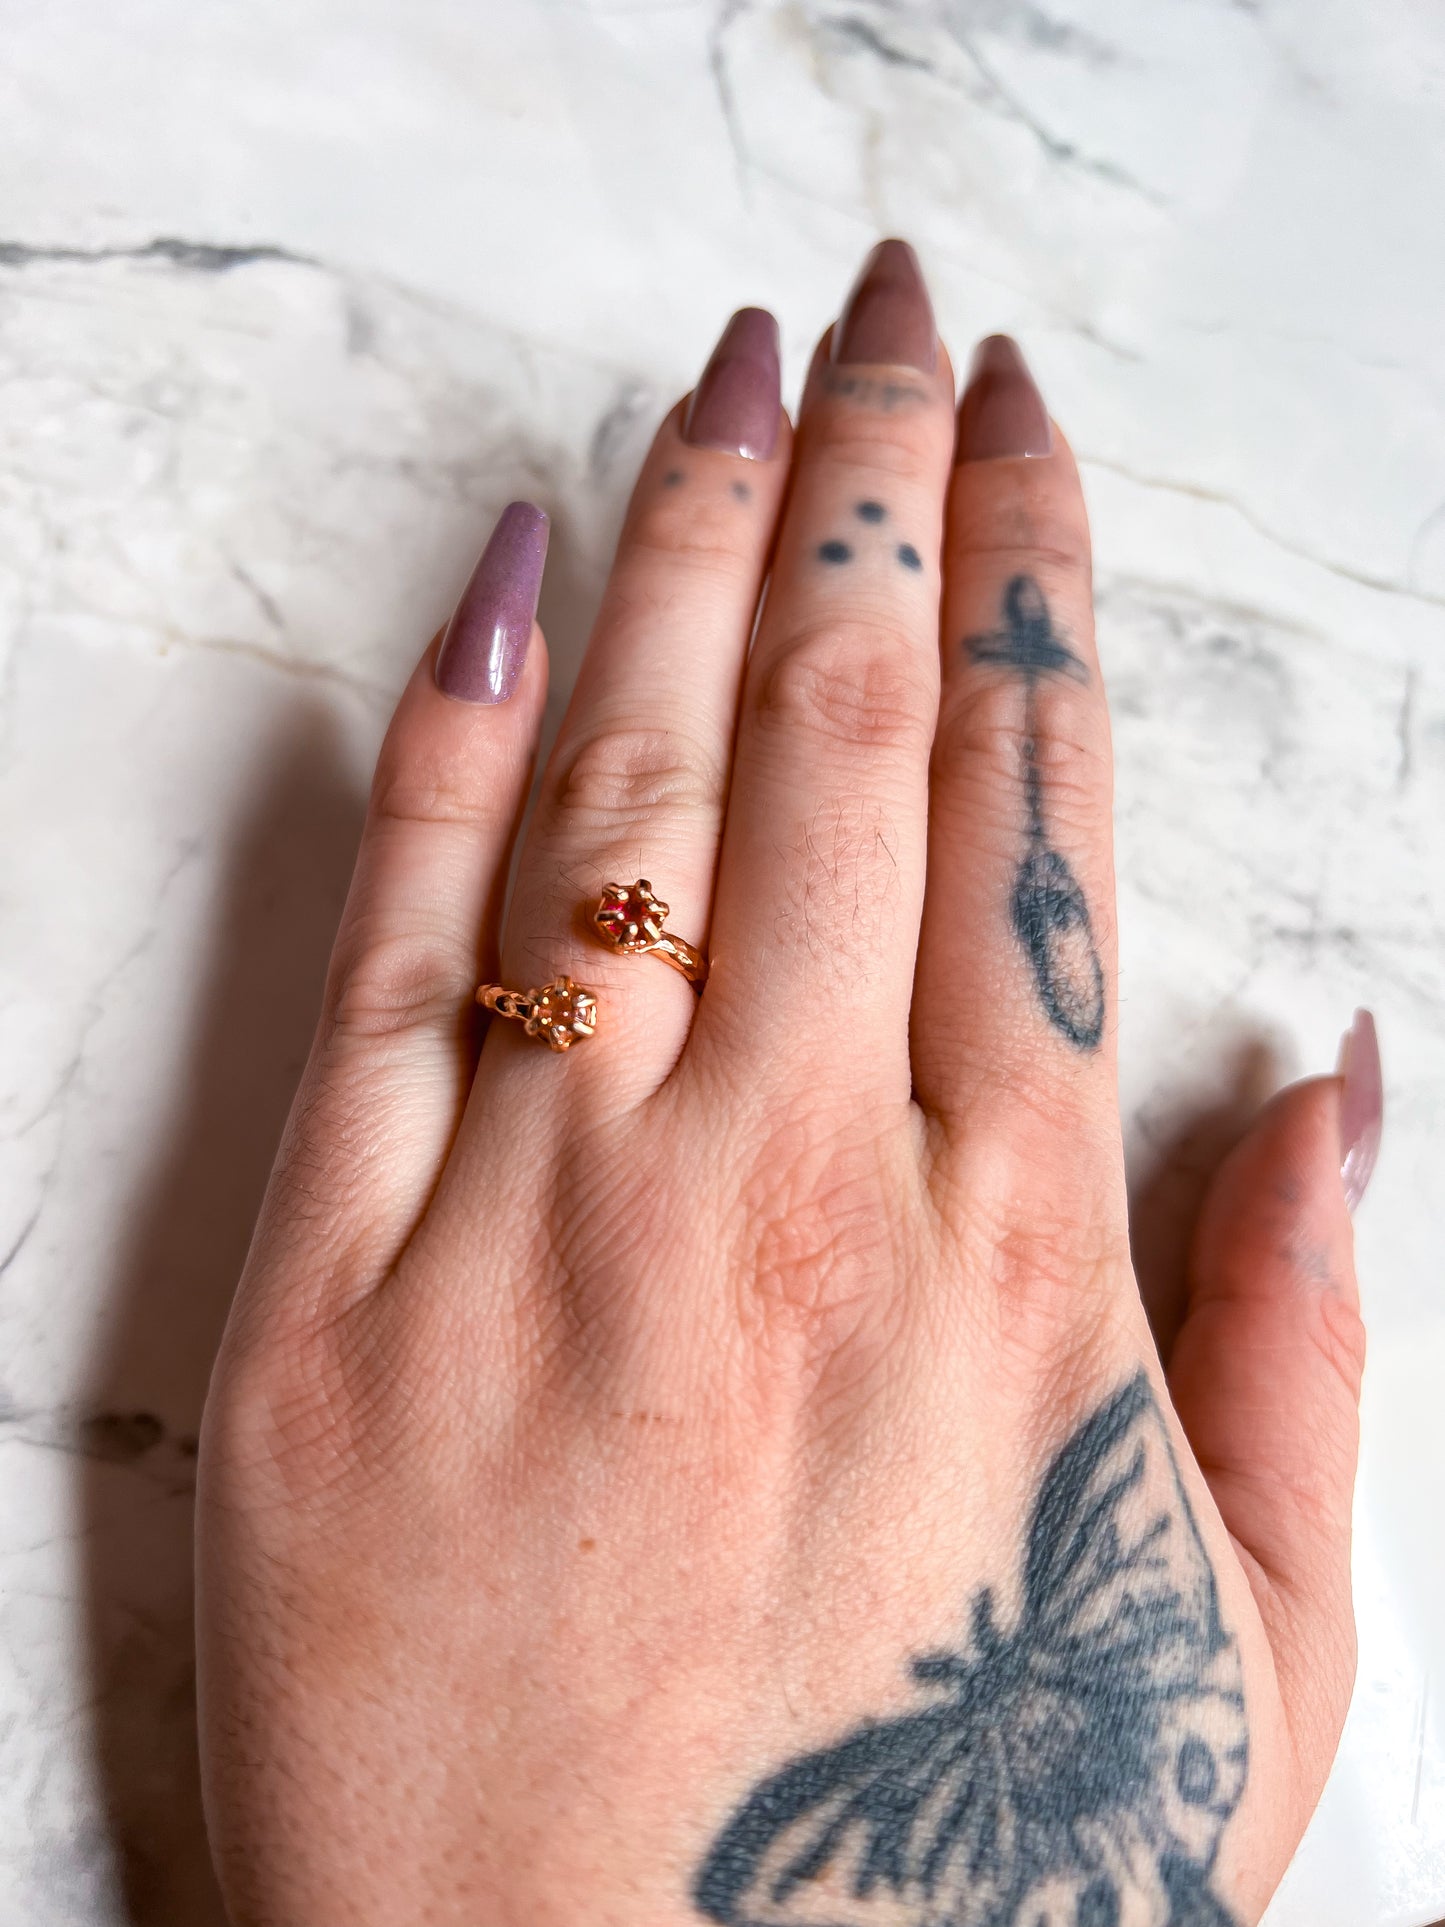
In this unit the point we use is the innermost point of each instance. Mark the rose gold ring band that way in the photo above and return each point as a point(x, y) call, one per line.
point(630, 917)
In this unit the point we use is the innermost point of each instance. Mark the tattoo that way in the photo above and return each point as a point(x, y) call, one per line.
point(1050, 911)
point(742, 492)
point(673, 478)
point(874, 512)
point(1076, 1771)
point(873, 393)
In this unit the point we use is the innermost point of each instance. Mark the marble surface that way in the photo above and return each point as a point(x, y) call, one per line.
point(294, 297)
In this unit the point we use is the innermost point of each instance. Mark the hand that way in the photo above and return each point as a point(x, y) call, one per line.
point(724, 1473)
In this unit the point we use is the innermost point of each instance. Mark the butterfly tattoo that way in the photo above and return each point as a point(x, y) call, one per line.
point(1075, 1771)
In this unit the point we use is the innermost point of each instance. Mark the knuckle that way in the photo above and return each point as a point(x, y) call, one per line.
point(849, 682)
point(698, 533)
point(893, 446)
point(1053, 1261)
point(1337, 1333)
point(1028, 527)
point(280, 1422)
point(1054, 550)
point(821, 1246)
point(383, 985)
point(621, 775)
point(1054, 1281)
point(313, 1411)
point(413, 788)
point(984, 741)
point(1049, 1279)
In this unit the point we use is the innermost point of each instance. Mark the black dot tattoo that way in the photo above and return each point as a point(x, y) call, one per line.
point(870, 511)
point(741, 492)
point(673, 478)
point(1050, 912)
point(835, 551)
point(1111, 1709)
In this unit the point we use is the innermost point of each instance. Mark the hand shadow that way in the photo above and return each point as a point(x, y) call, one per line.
point(192, 1225)
point(281, 900)
point(1187, 1141)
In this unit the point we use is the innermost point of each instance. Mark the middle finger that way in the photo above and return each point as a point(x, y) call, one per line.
point(820, 884)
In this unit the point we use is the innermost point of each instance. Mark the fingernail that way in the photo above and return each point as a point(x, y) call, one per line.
point(486, 641)
point(888, 316)
point(736, 404)
point(1002, 412)
point(1362, 1105)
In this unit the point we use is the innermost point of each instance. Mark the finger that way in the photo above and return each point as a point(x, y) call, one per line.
point(821, 877)
point(1265, 1373)
point(636, 785)
point(389, 1071)
point(1016, 955)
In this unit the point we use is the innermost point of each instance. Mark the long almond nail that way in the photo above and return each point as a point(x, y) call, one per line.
point(1362, 1106)
point(486, 641)
point(888, 316)
point(736, 404)
point(1002, 412)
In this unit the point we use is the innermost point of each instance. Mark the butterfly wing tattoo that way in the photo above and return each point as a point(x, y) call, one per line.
point(1077, 1771)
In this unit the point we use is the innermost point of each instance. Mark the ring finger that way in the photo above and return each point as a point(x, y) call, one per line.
point(637, 782)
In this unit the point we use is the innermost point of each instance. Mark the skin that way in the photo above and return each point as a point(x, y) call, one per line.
point(595, 1434)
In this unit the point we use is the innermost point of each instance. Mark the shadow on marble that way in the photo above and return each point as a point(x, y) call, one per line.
point(1189, 1143)
point(571, 591)
point(278, 909)
point(279, 903)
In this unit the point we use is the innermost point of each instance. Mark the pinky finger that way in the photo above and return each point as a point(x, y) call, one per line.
point(389, 1071)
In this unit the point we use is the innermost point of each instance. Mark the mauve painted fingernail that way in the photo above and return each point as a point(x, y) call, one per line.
point(1002, 412)
point(888, 316)
point(1362, 1105)
point(486, 641)
point(736, 404)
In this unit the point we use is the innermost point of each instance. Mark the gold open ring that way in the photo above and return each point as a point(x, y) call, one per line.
point(630, 917)
point(559, 1013)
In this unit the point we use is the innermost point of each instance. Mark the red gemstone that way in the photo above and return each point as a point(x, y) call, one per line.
point(628, 916)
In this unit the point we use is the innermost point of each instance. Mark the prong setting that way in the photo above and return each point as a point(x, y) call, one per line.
point(630, 917)
point(559, 1013)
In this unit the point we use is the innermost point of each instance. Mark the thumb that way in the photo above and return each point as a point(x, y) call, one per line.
point(1265, 1374)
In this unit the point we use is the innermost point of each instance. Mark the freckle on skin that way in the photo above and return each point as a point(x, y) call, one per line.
point(871, 511)
point(909, 556)
point(834, 552)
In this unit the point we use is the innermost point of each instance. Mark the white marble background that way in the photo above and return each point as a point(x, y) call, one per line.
point(294, 296)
